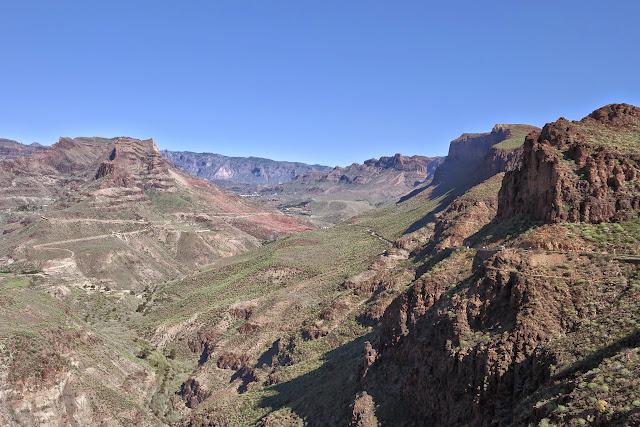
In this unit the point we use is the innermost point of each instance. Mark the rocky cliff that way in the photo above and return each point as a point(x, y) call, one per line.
point(132, 162)
point(499, 334)
point(499, 350)
point(581, 171)
point(485, 154)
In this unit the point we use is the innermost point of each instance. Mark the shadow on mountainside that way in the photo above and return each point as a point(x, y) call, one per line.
point(594, 359)
point(564, 383)
point(503, 229)
point(322, 396)
point(450, 184)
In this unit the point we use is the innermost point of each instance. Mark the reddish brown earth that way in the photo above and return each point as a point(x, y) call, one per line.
point(568, 174)
point(505, 336)
point(102, 189)
point(11, 150)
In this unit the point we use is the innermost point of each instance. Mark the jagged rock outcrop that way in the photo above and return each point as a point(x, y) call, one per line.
point(192, 393)
point(409, 170)
point(466, 215)
point(500, 160)
point(584, 171)
point(363, 412)
point(470, 356)
point(133, 162)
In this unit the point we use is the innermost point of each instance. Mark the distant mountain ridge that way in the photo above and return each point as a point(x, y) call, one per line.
point(245, 170)
point(328, 197)
point(415, 169)
point(11, 150)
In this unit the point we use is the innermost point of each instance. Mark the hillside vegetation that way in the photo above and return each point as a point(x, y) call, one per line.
point(470, 302)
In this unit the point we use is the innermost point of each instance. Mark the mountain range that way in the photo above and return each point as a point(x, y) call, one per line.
point(240, 170)
point(501, 289)
point(118, 201)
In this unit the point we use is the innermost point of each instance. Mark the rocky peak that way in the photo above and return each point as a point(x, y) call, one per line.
point(582, 171)
point(133, 162)
point(615, 115)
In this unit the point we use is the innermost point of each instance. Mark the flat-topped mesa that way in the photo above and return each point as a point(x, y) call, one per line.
point(472, 146)
point(484, 154)
point(133, 162)
point(581, 171)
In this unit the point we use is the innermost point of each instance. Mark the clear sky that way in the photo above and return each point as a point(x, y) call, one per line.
point(319, 81)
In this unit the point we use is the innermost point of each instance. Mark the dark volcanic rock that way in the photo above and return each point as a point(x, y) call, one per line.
point(582, 171)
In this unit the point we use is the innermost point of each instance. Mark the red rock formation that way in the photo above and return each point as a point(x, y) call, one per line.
point(578, 171)
point(192, 393)
point(133, 162)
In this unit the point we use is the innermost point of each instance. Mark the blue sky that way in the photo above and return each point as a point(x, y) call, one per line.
point(331, 82)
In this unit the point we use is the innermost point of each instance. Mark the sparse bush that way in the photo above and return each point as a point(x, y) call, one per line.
point(144, 352)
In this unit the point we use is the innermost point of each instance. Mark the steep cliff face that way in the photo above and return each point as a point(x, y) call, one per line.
point(500, 160)
point(482, 155)
point(133, 162)
point(584, 171)
point(500, 335)
point(420, 164)
point(490, 340)
point(473, 146)
point(466, 215)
